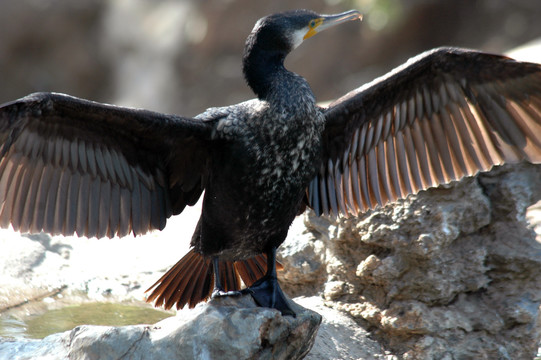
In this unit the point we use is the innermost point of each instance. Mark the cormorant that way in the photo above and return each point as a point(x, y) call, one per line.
point(69, 165)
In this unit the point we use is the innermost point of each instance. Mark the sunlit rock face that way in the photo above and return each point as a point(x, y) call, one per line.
point(450, 273)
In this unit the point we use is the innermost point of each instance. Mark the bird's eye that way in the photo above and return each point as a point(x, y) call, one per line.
point(312, 23)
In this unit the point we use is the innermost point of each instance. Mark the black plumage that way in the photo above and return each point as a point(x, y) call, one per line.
point(73, 166)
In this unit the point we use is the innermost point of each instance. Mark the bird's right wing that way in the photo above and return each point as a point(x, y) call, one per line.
point(69, 166)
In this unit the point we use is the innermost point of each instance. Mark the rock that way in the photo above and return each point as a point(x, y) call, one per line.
point(224, 328)
point(19, 255)
point(304, 259)
point(448, 273)
point(339, 337)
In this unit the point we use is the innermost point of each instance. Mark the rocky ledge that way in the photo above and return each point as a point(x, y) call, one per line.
point(225, 328)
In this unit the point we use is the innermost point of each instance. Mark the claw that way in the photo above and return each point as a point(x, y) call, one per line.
point(221, 293)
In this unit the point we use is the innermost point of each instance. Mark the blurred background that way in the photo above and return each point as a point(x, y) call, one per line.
point(182, 56)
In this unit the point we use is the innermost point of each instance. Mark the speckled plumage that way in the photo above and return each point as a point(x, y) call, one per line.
point(269, 150)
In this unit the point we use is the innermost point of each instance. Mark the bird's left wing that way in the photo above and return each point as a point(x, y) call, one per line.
point(69, 165)
point(445, 114)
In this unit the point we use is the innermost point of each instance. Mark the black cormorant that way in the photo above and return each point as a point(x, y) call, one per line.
point(73, 166)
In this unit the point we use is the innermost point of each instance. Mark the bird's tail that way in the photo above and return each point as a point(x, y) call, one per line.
point(191, 279)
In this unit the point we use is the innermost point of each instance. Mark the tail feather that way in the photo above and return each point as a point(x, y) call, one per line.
point(251, 270)
point(171, 288)
point(176, 287)
point(229, 276)
point(191, 279)
point(190, 291)
point(206, 279)
point(169, 281)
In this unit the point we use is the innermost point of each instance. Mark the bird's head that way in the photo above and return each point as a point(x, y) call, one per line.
point(276, 35)
point(287, 30)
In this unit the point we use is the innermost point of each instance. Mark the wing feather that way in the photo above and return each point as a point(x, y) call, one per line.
point(348, 188)
point(373, 181)
point(60, 211)
point(314, 194)
point(323, 194)
point(366, 198)
point(38, 217)
point(18, 196)
point(50, 206)
point(392, 167)
point(114, 211)
point(356, 185)
point(31, 197)
point(340, 188)
point(82, 156)
point(71, 205)
point(413, 164)
point(331, 188)
point(383, 172)
point(82, 205)
point(422, 154)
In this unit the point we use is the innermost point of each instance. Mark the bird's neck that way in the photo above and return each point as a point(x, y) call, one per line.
point(261, 71)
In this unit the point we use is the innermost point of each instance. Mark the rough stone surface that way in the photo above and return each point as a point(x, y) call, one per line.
point(304, 260)
point(450, 273)
point(228, 328)
point(340, 337)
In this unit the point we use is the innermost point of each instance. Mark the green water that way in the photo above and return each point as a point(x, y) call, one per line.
point(54, 321)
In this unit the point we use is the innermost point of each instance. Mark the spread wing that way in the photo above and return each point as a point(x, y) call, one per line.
point(445, 114)
point(74, 166)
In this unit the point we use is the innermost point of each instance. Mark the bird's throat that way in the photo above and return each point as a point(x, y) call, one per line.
point(261, 68)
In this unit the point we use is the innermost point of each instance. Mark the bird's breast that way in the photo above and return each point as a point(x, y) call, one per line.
point(259, 176)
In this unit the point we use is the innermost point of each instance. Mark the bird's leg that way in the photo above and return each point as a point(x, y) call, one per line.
point(267, 292)
point(218, 287)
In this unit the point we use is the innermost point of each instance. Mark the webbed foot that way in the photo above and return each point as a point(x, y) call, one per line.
point(267, 293)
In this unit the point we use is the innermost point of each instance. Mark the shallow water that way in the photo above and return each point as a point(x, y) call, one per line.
point(66, 318)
